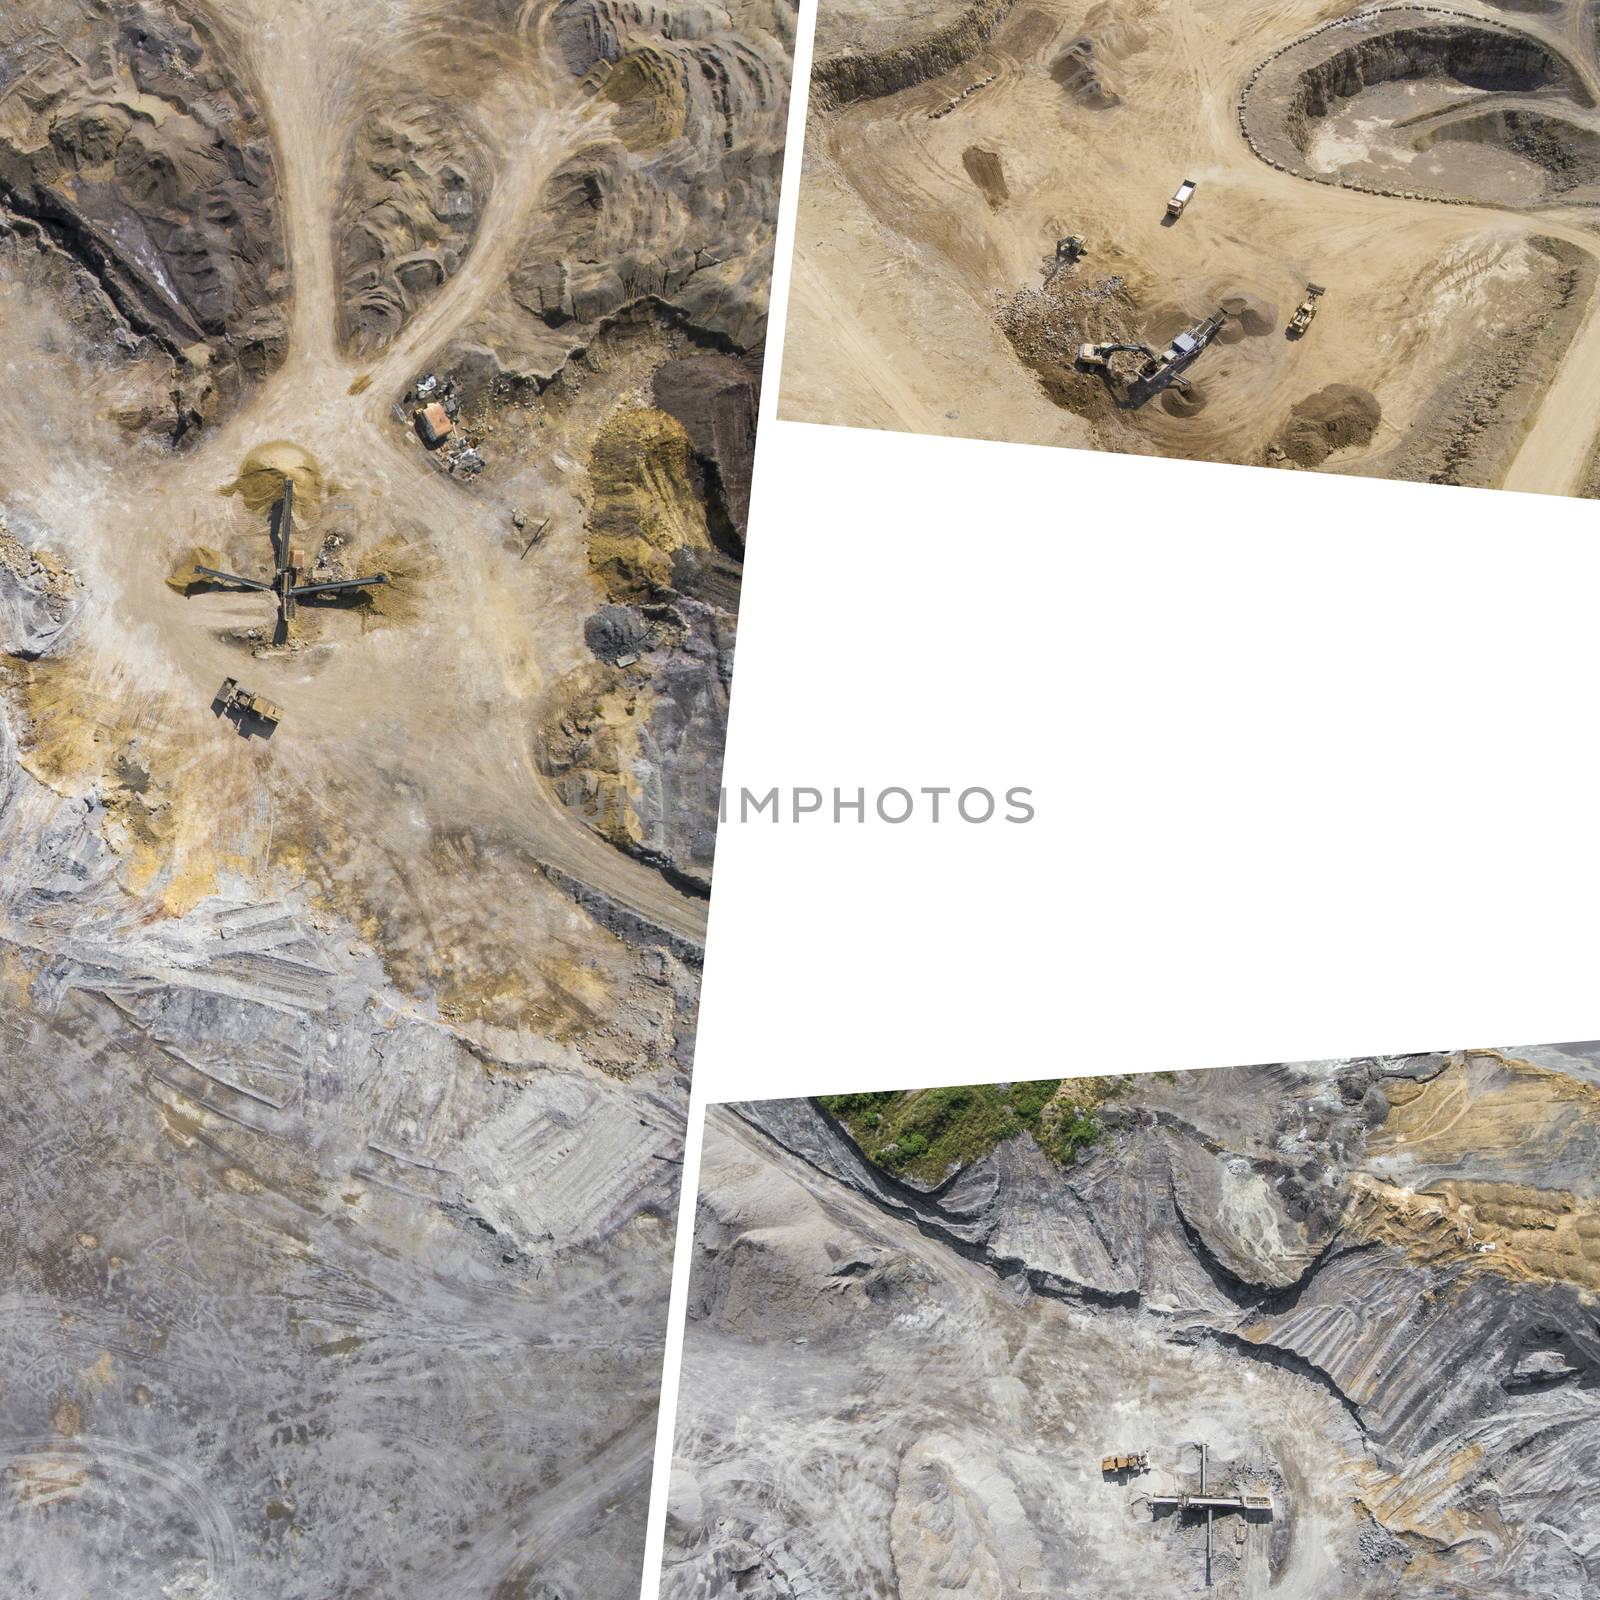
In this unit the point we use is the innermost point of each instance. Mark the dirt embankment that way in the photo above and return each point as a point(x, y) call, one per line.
point(414, 195)
point(632, 741)
point(152, 172)
point(1591, 481)
point(870, 74)
point(1472, 425)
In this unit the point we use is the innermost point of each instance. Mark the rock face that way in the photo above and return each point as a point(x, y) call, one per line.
point(1488, 84)
point(1367, 1285)
point(38, 599)
point(715, 397)
point(895, 58)
point(418, 183)
point(269, 1224)
point(132, 145)
point(676, 210)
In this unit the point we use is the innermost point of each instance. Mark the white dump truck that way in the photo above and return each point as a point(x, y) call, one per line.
point(1181, 197)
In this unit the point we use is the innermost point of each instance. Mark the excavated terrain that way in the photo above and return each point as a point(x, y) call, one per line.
point(1435, 168)
point(1368, 1287)
point(346, 1057)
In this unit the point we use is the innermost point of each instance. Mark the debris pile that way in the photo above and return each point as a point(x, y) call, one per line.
point(1047, 325)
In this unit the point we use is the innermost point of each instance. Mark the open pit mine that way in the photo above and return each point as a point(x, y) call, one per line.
point(1327, 1330)
point(379, 392)
point(1303, 235)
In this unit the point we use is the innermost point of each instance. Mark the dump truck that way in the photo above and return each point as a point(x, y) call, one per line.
point(1181, 196)
point(1134, 1463)
point(243, 703)
point(1305, 311)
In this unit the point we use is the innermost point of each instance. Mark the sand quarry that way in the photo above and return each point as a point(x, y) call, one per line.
point(1435, 169)
point(345, 1060)
point(1368, 1287)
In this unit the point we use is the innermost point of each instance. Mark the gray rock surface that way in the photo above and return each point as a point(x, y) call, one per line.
point(279, 1253)
point(1331, 1273)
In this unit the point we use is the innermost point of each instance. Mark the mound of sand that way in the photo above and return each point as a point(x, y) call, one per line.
point(261, 478)
point(983, 167)
point(1184, 403)
point(1254, 317)
point(1079, 71)
point(1331, 419)
point(644, 504)
point(187, 578)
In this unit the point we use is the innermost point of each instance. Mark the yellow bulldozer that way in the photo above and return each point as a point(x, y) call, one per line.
point(1305, 311)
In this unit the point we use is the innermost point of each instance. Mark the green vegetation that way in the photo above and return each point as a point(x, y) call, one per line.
point(927, 1134)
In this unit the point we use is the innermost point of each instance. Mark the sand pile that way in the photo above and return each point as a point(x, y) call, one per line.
point(1254, 317)
point(1077, 69)
point(186, 576)
point(261, 478)
point(1331, 419)
point(1080, 68)
point(1189, 402)
point(984, 168)
point(645, 507)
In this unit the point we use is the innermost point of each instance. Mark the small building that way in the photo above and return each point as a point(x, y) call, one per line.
point(434, 425)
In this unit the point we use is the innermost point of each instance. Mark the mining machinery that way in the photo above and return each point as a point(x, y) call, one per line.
point(241, 703)
point(287, 562)
point(1305, 311)
point(1157, 371)
point(1069, 252)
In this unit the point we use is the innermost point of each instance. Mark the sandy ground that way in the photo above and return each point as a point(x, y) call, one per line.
point(346, 1064)
point(385, 720)
point(895, 236)
point(972, 1414)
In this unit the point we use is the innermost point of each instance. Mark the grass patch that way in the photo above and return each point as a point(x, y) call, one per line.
point(927, 1134)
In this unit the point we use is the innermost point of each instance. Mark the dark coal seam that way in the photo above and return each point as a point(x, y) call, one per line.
point(1041, 1282)
point(1276, 1355)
